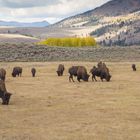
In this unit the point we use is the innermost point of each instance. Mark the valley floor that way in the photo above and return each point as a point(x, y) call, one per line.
point(49, 107)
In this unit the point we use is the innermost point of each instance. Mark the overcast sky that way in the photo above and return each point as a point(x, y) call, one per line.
point(38, 10)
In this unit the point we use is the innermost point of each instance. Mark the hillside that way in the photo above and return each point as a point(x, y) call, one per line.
point(114, 23)
point(111, 8)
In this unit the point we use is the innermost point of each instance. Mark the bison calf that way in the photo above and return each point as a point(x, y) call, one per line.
point(33, 71)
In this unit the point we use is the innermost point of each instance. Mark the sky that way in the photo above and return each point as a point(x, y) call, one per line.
point(40, 10)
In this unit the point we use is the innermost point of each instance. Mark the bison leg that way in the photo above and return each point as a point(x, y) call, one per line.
point(102, 79)
point(78, 79)
point(94, 77)
point(62, 73)
point(71, 77)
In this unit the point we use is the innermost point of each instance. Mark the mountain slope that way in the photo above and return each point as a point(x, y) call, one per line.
point(111, 8)
point(114, 23)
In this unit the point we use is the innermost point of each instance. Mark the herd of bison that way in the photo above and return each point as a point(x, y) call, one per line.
point(101, 70)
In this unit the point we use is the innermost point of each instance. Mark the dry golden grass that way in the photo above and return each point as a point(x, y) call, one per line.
point(48, 107)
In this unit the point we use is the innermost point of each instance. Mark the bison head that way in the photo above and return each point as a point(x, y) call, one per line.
point(13, 74)
point(86, 77)
point(6, 98)
point(108, 77)
point(58, 73)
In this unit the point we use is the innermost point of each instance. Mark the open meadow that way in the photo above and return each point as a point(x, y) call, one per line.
point(49, 107)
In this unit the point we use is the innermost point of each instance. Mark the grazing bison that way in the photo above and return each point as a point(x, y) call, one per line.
point(102, 72)
point(60, 70)
point(78, 71)
point(17, 71)
point(2, 74)
point(33, 71)
point(4, 94)
point(82, 74)
point(134, 67)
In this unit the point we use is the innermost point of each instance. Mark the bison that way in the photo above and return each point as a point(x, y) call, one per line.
point(33, 71)
point(80, 72)
point(134, 67)
point(2, 74)
point(60, 70)
point(17, 71)
point(102, 72)
point(4, 94)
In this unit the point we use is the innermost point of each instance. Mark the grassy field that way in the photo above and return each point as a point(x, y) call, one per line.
point(48, 107)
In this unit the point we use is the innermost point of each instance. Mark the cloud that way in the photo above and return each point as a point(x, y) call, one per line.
point(27, 3)
point(45, 9)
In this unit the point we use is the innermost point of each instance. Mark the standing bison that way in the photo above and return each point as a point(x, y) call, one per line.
point(78, 71)
point(100, 71)
point(33, 71)
point(60, 70)
point(2, 74)
point(134, 67)
point(4, 95)
point(17, 71)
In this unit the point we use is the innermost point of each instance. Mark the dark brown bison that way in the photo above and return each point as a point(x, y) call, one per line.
point(82, 74)
point(78, 71)
point(2, 74)
point(33, 71)
point(17, 71)
point(4, 95)
point(134, 67)
point(60, 70)
point(102, 72)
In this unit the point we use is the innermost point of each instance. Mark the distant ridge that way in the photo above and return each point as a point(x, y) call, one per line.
point(22, 24)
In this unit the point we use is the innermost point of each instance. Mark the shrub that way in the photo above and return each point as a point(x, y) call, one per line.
point(69, 42)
